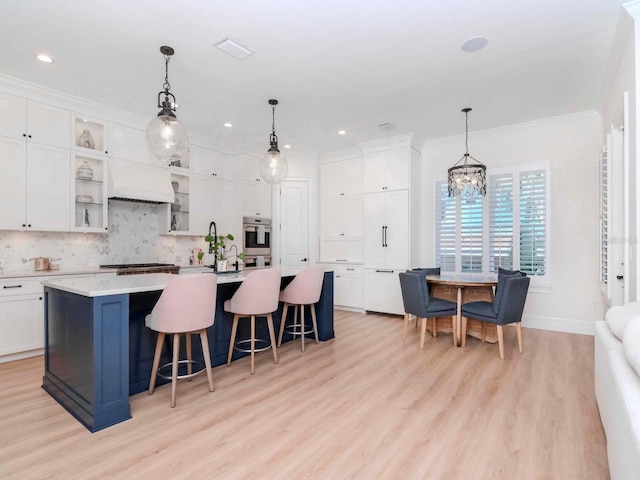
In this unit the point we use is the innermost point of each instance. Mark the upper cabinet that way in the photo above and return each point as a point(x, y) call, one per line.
point(34, 121)
point(35, 186)
point(340, 179)
point(387, 170)
point(89, 192)
point(205, 161)
point(255, 192)
point(175, 218)
point(89, 135)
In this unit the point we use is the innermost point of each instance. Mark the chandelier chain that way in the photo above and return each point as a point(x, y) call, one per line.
point(166, 74)
point(466, 134)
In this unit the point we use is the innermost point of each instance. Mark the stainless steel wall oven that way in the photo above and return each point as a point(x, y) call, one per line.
point(256, 241)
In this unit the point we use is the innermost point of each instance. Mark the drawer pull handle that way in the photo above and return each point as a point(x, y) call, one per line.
point(384, 271)
point(12, 286)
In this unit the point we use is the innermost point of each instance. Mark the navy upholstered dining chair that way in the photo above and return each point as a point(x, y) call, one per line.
point(415, 296)
point(507, 307)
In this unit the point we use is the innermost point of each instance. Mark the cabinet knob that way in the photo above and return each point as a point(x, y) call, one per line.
point(24, 135)
point(24, 225)
point(29, 136)
point(214, 174)
point(39, 298)
point(29, 225)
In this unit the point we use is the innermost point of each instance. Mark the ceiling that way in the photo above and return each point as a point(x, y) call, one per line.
point(332, 64)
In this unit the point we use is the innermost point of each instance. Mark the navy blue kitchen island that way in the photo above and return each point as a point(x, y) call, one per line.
point(98, 351)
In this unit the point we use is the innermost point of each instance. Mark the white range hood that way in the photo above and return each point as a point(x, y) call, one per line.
point(139, 182)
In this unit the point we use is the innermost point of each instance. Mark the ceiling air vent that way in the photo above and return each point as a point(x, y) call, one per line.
point(233, 48)
point(387, 126)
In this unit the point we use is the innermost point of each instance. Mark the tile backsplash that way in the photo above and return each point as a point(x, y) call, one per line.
point(132, 238)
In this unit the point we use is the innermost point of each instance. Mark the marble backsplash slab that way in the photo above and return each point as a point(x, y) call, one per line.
point(132, 238)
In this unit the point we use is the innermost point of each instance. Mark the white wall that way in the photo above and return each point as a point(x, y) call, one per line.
point(571, 145)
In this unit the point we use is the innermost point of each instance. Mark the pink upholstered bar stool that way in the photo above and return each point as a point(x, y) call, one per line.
point(186, 306)
point(303, 290)
point(256, 297)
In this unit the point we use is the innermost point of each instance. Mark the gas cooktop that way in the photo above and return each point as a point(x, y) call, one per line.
point(137, 265)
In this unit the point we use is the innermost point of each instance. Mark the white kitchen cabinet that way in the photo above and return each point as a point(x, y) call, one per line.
point(341, 250)
point(35, 186)
point(342, 218)
point(382, 291)
point(386, 230)
point(89, 193)
point(21, 316)
point(387, 170)
point(89, 135)
point(208, 162)
point(254, 191)
point(174, 218)
point(348, 286)
point(256, 199)
point(341, 179)
point(211, 200)
point(34, 121)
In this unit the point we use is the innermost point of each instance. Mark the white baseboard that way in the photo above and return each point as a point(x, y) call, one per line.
point(21, 355)
point(566, 325)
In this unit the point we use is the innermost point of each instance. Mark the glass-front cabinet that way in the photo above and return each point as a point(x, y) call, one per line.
point(89, 135)
point(89, 195)
point(175, 220)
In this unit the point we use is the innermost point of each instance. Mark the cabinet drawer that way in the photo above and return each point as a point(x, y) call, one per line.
point(347, 270)
point(20, 286)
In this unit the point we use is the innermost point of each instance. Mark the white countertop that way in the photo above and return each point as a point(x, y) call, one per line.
point(55, 273)
point(114, 285)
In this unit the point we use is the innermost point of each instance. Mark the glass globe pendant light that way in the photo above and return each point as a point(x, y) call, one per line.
point(166, 137)
point(273, 165)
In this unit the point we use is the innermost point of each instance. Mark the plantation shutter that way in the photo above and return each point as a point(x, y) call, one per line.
point(500, 196)
point(533, 222)
point(445, 228)
point(470, 234)
point(604, 218)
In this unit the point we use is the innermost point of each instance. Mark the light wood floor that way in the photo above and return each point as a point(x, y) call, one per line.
point(365, 405)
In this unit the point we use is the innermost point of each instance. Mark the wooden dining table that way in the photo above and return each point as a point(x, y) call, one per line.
point(463, 288)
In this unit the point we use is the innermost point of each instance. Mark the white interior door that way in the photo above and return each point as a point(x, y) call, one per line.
point(294, 226)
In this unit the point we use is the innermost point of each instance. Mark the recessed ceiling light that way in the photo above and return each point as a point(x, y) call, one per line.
point(44, 58)
point(287, 146)
point(342, 132)
point(228, 124)
point(474, 44)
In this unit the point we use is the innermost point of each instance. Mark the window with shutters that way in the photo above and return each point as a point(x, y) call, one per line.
point(509, 228)
point(604, 218)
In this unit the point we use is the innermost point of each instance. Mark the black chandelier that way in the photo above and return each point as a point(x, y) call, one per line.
point(465, 177)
